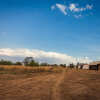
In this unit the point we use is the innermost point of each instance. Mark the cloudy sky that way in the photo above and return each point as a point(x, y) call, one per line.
point(59, 31)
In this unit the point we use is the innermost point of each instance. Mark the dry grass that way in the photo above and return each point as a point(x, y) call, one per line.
point(6, 69)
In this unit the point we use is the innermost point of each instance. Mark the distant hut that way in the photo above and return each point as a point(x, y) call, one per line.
point(94, 65)
point(86, 66)
point(80, 66)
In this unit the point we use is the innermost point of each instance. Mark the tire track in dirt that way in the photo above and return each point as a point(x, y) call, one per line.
point(37, 87)
point(56, 88)
point(77, 86)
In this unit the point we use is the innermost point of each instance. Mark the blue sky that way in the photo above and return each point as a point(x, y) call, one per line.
point(66, 26)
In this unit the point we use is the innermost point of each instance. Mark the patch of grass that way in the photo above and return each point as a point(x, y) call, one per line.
point(26, 70)
point(1, 68)
point(3, 72)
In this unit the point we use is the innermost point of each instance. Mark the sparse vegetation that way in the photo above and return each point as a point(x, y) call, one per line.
point(44, 64)
point(4, 62)
point(48, 83)
point(18, 63)
point(10, 69)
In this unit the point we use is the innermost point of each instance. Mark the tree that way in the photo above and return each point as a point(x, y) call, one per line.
point(29, 61)
point(18, 63)
point(33, 63)
point(63, 65)
point(44, 64)
point(54, 65)
point(4, 62)
point(77, 65)
point(72, 65)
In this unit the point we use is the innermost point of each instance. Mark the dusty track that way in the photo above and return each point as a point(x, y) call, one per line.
point(80, 85)
point(34, 87)
point(56, 87)
point(66, 85)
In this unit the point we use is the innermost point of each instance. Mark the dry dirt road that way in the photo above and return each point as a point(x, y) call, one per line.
point(66, 85)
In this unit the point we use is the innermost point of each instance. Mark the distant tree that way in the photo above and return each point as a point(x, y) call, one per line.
point(33, 63)
point(18, 63)
point(71, 65)
point(4, 62)
point(63, 65)
point(77, 65)
point(55, 65)
point(29, 61)
point(44, 64)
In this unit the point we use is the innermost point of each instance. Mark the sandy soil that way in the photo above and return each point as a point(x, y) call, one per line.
point(66, 85)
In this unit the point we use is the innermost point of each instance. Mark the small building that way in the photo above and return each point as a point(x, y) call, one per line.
point(94, 65)
point(86, 66)
point(79, 66)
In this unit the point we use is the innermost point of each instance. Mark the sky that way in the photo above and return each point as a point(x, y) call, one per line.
point(62, 27)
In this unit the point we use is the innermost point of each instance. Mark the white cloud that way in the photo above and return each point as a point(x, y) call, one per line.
point(43, 56)
point(78, 16)
point(61, 7)
point(72, 7)
point(89, 6)
point(75, 8)
point(53, 7)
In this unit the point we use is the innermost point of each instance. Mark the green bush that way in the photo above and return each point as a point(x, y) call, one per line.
point(3, 62)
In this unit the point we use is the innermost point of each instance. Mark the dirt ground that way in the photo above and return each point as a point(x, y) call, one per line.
point(66, 85)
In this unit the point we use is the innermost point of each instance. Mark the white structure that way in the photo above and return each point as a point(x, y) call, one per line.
point(85, 66)
point(79, 67)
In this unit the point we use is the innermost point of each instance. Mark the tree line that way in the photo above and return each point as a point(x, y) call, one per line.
point(5, 62)
point(28, 61)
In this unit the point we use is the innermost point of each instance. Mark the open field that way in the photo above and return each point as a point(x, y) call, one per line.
point(20, 83)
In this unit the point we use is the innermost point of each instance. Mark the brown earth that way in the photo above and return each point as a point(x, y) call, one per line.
point(66, 85)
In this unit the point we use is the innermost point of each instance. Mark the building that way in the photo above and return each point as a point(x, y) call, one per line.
point(80, 66)
point(86, 66)
point(94, 65)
